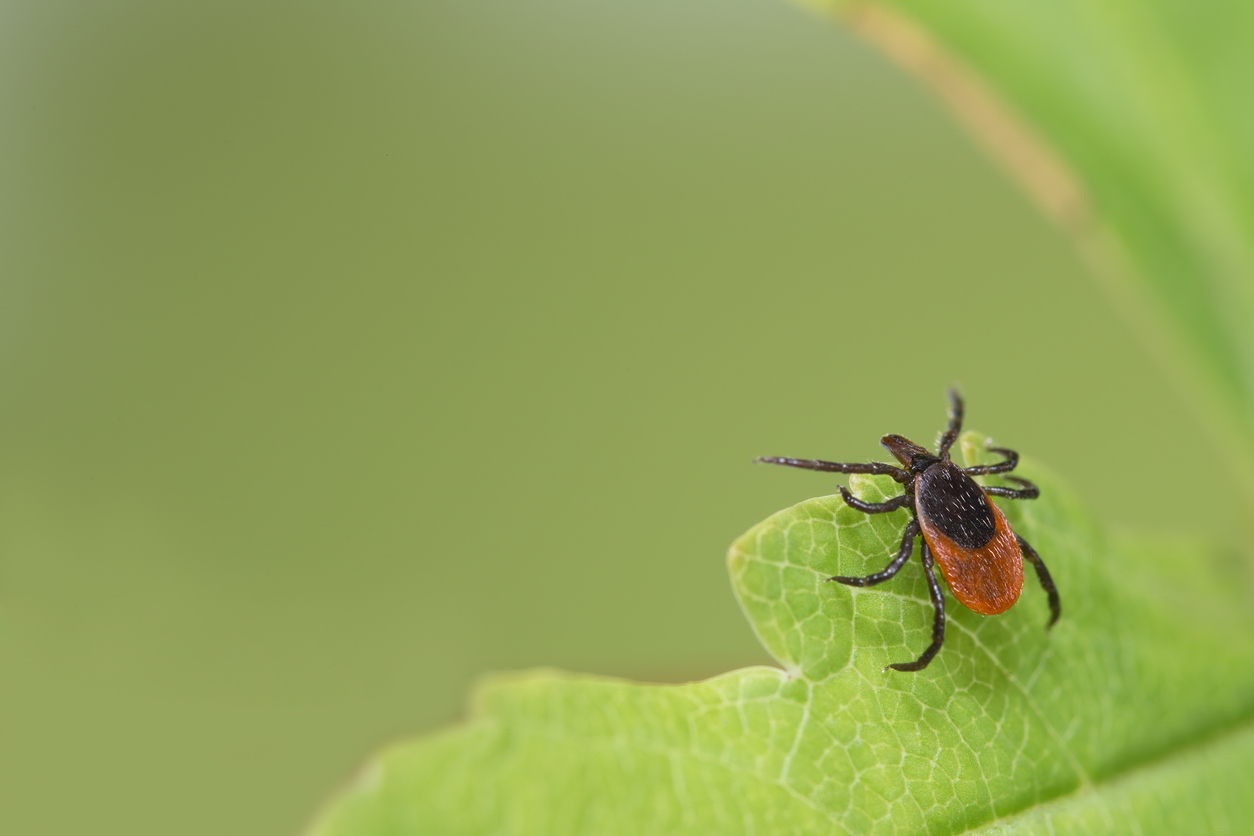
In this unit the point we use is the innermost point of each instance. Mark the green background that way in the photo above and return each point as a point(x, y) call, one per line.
point(352, 350)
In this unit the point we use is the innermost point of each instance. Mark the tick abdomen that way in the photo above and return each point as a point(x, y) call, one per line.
point(970, 539)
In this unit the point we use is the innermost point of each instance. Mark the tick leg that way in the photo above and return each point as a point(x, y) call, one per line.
point(875, 507)
point(1028, 491)
point(840, 467)
point(903, 554)
point(938, 620)
point(1055, 604)
point(1012, 460)
point(955, 425)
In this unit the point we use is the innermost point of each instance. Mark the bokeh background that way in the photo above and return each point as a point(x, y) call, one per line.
point(349, 351)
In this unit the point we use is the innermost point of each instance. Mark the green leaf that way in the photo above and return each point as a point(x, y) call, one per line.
point(1136, 708)
point(1130, 122)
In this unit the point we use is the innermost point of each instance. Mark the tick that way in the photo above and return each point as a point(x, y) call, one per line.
point(963, 530)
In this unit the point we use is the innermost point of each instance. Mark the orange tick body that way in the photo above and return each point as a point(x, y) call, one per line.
point(964, 532)
point(970, 539)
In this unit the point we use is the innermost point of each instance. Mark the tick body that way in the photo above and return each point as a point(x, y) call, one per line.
point(963, 531)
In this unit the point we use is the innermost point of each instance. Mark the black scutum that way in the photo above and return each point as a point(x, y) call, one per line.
point(951, 501)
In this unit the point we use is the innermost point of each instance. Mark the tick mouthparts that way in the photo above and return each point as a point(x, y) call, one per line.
point(904, 449)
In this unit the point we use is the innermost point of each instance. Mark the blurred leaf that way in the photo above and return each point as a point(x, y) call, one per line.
point(1134, 712)
point(1130, 123)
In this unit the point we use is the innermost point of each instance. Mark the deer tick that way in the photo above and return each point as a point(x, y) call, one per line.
point(963, 530)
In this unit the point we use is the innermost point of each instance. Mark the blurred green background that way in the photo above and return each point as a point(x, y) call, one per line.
point(353, 350)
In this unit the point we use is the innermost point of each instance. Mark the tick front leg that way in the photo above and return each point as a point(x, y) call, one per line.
point(903, 554)
point(955, 425)
point(938, 619)
point(1042, 574)
point(1010, 463)
point(1028, 491)
point(875, 507)
point(839, 467)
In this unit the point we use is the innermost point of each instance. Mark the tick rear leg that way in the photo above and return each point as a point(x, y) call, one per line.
point(875, 507)
point(1011, 462)
point(1055, 603)
point(938, 619)
point(1028, 491)
point(955, 425)
point(894, 566)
